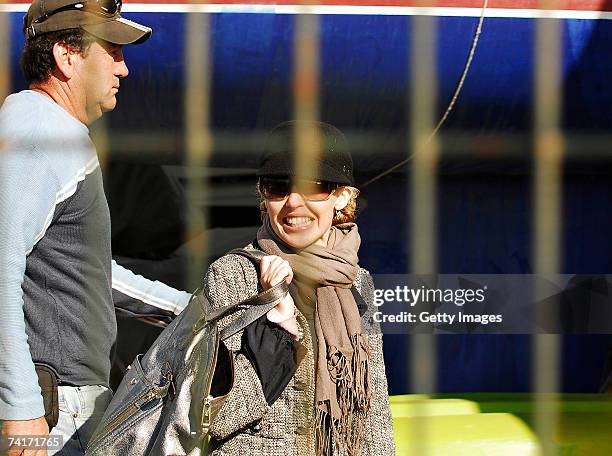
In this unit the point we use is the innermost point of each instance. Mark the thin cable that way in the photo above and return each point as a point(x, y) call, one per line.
point(451, 105)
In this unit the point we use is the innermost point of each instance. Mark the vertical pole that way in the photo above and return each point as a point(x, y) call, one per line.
point(306, 88)
point(99, 136)
point(5, 63)
point(198, 139)
point(306, 108)
point(549, 151)
point(423, 190)
point(5, 47)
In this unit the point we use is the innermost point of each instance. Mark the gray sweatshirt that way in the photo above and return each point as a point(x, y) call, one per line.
point(56, 272)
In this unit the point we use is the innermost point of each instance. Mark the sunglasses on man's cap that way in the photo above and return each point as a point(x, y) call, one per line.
point(101, 18)
point(105, 8)
point(277, 189)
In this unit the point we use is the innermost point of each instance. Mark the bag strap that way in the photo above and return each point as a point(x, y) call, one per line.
point(255, 306)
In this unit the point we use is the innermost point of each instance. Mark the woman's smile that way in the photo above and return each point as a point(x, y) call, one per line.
point(297, 222)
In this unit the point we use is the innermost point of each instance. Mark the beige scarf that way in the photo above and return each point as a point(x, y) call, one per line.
point(343, 388)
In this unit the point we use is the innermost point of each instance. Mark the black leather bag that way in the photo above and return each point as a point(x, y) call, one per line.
point(169, 396)
point(48, 381)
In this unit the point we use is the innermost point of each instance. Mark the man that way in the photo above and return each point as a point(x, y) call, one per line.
point(56, 285)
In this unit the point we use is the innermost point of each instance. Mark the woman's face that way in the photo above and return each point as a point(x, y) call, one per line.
point(300, 223)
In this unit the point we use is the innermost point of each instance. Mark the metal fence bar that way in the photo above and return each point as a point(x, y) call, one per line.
point(423, 89)
point(5, 47)
point(198, 138)
point(5, 64)
point(549, 151)
point(306, 88)
point(580, 148)
point(101, 138)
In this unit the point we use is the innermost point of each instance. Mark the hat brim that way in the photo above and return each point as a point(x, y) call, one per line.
point(119, 31)
point(282, 168)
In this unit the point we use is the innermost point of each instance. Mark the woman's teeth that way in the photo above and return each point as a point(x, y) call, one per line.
point(297, 221)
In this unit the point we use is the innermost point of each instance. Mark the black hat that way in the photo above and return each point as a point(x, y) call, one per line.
point(101, 18)
point(333, 164)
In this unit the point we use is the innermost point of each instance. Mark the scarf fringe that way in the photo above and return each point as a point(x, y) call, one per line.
point(344, 435)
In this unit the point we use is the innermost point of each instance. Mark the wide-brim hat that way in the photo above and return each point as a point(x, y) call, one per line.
point(100, 18)
point(332, 160)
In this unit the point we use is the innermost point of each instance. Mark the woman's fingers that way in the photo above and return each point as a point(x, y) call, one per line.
point(273, 269)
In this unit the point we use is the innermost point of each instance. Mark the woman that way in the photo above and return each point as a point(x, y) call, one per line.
point(310, 377)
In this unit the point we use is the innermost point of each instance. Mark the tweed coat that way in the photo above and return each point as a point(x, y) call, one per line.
point(246, 425)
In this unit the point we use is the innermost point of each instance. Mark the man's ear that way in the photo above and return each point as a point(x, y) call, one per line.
point(344, 196)
point(65, 59)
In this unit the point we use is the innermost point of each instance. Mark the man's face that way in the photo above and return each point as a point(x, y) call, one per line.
point(97, 78)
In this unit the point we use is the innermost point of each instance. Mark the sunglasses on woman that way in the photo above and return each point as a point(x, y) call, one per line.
point(274, 189)
point(106, 8)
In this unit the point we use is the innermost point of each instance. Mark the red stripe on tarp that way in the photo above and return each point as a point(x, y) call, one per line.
point(575, 5)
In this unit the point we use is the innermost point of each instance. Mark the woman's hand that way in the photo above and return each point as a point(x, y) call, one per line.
point(273, 271)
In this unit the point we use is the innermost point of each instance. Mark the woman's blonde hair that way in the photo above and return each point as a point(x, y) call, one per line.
point(345, 215)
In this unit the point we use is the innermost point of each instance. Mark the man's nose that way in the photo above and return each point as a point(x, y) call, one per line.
point(121, 69)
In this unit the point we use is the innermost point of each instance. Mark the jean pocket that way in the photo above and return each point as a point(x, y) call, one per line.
point(93, 400)
point(68, 400)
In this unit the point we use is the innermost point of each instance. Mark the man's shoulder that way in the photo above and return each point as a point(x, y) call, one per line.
point(16, 117)
point(28, 110)
point(38, 135)
point(24, 121)
point(19, 138)
point(23, 107)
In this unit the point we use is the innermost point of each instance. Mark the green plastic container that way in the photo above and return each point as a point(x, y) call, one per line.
point(583, 423)
point(406, 407)
point(480, 434)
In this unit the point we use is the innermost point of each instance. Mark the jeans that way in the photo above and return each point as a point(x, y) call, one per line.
point(80, 410)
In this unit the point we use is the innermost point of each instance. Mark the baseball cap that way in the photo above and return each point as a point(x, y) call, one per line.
point(333, 163)
point(101, 18)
